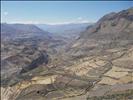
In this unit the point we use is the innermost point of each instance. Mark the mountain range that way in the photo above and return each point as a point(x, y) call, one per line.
point(65, 30)
point(96, 65)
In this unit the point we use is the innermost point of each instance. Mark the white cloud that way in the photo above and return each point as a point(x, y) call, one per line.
point(74, 21)
point(51, 23)
point(5, 13)
point(24, 22)
point(80, 18)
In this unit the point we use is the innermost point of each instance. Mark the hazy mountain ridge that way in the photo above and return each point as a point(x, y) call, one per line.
point(65, 30)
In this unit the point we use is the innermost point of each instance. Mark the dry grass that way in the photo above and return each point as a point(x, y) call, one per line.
point(108, 81)
point(116, 75)
point(117, 72)
point(84, 67)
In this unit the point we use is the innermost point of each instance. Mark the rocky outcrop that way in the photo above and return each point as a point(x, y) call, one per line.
point(43, 58)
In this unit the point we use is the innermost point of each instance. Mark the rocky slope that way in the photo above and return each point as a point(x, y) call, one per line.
point(112, 30)
point(106, 50)
point(24, 47)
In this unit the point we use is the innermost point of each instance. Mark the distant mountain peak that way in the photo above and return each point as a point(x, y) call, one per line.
point(22, 30)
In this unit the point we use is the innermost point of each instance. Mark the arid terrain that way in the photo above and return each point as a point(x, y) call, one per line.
point(96, 65)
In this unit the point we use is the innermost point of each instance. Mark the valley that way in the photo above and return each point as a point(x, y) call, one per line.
point(98, 65)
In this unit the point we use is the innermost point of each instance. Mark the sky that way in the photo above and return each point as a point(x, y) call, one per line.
point(58, 12)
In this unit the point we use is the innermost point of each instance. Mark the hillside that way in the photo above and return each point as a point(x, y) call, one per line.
point(112, 30)
point(24, 47)
point(13, 31)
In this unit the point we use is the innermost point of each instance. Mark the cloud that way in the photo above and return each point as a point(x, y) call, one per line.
point(80, 18)
point(72, 21)
point(5, 13)
point(51, 23)
point(25, 22)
